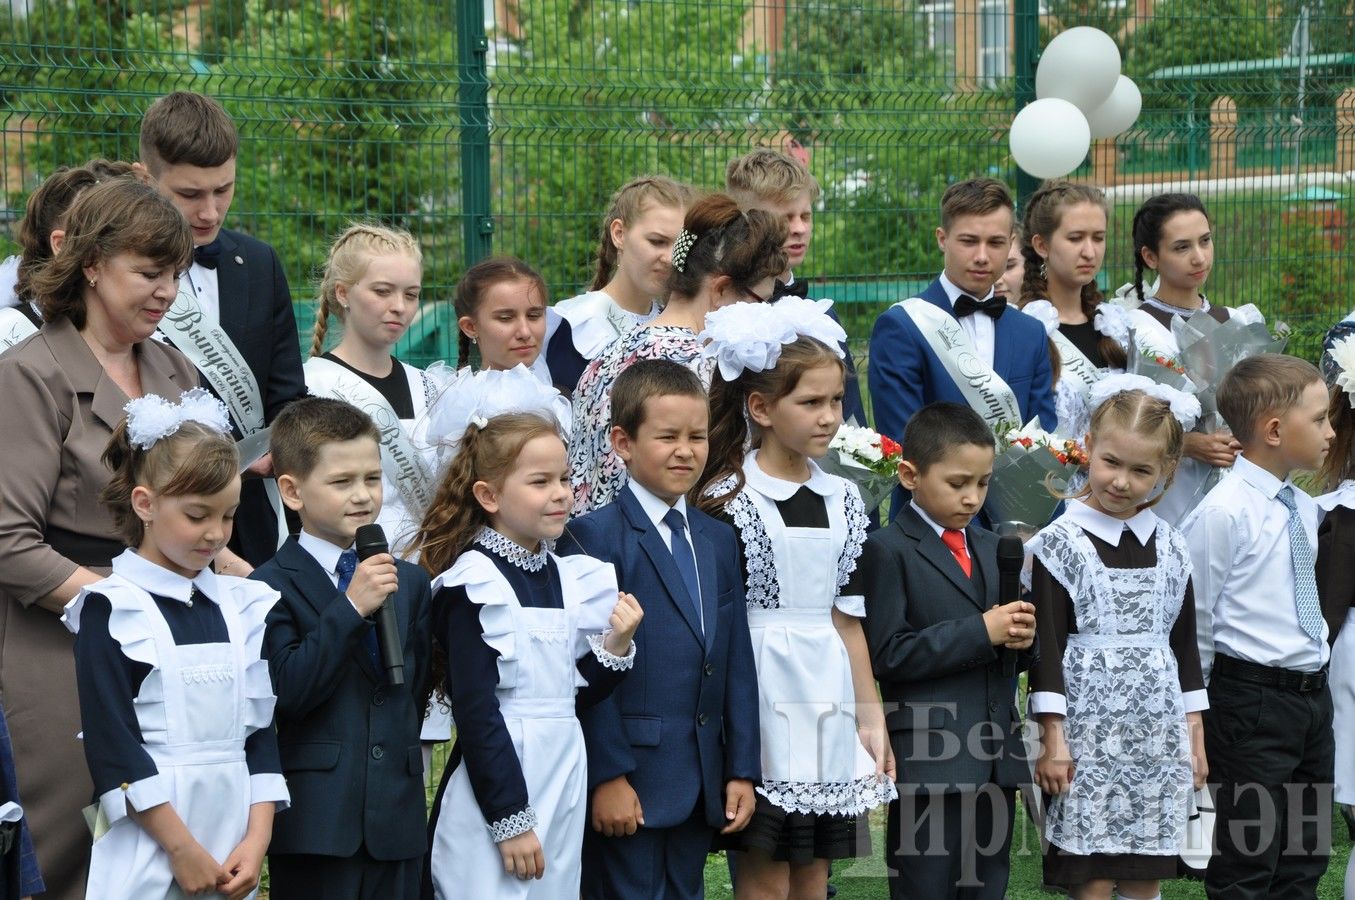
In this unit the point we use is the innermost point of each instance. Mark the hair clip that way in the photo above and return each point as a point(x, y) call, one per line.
point(1185, 407)
point(152, 417)
point(681, 247)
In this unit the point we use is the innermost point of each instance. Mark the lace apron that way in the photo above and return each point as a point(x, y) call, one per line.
point(1126, 727)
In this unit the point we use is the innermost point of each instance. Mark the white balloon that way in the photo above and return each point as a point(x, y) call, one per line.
point(1050, 138)
point(1118, 112)
point(1079, 65)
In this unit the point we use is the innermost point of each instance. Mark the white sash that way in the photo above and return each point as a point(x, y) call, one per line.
point(983, 389)
point(1076, 368)
point(14, 327)
point(404, 466)
point(215, 355)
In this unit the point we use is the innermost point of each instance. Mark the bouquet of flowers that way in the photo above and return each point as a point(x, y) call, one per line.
point(1031, 468)
point(1210, 348)
point(1159, 366)
point(866, 458)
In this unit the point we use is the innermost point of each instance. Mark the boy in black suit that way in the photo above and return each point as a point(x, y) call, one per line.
point(674, 752)
point(233, 317)
point(349, 740)
point(937, 638)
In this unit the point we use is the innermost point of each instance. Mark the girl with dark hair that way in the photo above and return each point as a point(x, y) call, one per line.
point(721, 256)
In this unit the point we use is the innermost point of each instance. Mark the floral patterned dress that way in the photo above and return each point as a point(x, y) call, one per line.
point(596, 473)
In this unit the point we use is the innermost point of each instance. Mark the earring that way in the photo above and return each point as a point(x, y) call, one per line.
point(474, 341)
point(92, 282)
point(1044, 272)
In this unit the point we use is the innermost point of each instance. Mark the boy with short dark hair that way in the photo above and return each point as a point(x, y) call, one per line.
point(769, 180)
point(349, 740)
point(233, 317)
point(674, 753)
point(1263, 638)
point(937, 634)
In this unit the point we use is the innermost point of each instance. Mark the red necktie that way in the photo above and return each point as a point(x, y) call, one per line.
point(954, 539)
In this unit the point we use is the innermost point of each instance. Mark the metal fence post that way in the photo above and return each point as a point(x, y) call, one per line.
point(1027, 54)
point(477, 222)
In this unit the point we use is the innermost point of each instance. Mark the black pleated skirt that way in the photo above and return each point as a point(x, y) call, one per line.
point(799, 838)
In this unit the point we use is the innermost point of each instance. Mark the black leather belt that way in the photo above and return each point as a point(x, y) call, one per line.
point(1271, 676)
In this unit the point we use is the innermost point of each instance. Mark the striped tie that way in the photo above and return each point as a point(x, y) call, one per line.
point(1305, 574)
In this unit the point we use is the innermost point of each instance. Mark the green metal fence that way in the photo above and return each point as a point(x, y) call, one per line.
point(505, 125)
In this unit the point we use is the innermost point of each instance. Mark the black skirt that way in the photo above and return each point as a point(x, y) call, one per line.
point(799, 838)
point(1068, 870)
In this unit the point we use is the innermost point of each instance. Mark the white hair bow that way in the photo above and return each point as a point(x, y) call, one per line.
point(152, 417)
point(1185, 407)
point(749, 336)
point(473, 398)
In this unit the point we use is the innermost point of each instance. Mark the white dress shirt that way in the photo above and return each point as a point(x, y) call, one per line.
point(327, 555)
point(979, 326)
point(1109, 529)
point(656, 508)
point(1244, 573)
point(202, 283)
point(939, 529)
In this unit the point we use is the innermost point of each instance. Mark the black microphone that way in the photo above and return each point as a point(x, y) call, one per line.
point(1011, 555)
point(371, 541)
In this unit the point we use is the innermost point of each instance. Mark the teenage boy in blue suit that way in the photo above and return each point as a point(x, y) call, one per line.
point(349, 740)
point(674, 753)
point(906, 372)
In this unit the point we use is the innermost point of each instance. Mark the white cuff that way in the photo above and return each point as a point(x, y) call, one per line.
point(1196, 701)
point(268, 786)
point(609, 659)
point(516, 824)
point(142, 795)
point(1048, 702)
point(853, 605)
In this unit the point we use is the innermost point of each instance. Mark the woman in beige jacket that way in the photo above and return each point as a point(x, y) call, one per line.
point(64, 390)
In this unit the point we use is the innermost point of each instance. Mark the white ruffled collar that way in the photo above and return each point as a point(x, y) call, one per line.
point(1344, 495)
point(1108, 528)
point(512, 552)
point(161, 581)
point(778, 489)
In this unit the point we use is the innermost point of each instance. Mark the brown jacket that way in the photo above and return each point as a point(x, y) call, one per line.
point(59, 411)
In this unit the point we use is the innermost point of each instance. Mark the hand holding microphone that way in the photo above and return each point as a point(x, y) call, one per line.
point(377, 569)
point(1018, 615)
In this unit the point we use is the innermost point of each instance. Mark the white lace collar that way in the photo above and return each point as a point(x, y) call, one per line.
point(1108, 528)
point(778, 489)
point(1344, 495)
point(161, 581)
point(513, 552)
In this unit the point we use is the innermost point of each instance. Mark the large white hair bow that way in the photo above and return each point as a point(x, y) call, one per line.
point(1185, 407)
point(152, 417)
point(1342, 353)
point(749, 336)
point(473, 398)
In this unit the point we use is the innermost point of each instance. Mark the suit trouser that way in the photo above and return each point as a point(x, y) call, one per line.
point(951, 846)
point(302, 876)
point(654, 863)
point(1270, 752)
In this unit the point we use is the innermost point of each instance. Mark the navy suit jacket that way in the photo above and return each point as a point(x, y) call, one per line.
point(685, 721)
point(257, 315)
point(951, 712)
point(349, 741)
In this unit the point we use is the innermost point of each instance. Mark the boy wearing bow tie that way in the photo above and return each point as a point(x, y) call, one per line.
point(956, 342)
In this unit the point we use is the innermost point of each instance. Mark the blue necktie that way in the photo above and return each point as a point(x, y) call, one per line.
point(1305, 575)
point(348, 564)
point(682, 555)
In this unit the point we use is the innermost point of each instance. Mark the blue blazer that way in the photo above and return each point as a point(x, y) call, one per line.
point(685, 721)
point(349, 742)
point(905, 375)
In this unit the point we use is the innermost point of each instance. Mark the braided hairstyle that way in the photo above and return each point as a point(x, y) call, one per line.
point(1146, 416)
point(349, 256)
point(744, 246)
point(731, 430)
point(1148, 222)
point(1044, 215)
point(627, 205)
point(479, 278)
point(454, 517)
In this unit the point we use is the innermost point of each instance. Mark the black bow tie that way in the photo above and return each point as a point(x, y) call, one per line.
point(798, 288)
point(208, 255)
point(967, 306)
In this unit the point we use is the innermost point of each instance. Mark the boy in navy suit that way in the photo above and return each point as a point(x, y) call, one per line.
point(957, 342)
point(349, 740)
point(674, 752)
point(235, 288)
point(938, 637)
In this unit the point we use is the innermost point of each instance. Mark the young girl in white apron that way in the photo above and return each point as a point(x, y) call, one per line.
point(175, 700)
point(525, 637)
point(1118, 689)
point(826, 759)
